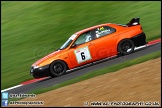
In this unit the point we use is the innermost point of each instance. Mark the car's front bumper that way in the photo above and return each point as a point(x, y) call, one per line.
point(40, 72)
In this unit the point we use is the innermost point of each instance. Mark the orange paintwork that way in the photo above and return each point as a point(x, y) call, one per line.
point(99, 48)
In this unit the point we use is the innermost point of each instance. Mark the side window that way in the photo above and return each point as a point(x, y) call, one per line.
point(105, 30)
point(83, 38)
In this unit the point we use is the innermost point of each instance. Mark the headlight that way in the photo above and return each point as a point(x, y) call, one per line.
point(35, 67)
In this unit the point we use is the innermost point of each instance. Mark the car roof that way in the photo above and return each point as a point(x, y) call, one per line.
point(90, 28)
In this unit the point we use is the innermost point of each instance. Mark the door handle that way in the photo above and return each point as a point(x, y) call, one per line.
point(91, 44)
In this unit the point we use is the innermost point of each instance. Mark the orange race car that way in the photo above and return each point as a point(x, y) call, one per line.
point(89, 45)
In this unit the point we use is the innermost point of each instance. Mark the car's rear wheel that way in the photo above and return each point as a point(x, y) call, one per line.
point(58, 68)
point(125, 47)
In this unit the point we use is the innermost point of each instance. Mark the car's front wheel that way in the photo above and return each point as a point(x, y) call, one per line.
point(58, 68)
point(125, 47)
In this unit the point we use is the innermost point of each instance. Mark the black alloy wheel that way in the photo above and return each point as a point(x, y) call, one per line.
point(125, 47)
point(58, 68)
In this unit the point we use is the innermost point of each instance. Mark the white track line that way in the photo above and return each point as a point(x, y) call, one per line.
point(136, 48)
point(11, 88)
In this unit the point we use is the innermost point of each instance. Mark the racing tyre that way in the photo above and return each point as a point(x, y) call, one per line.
point(58, 68)
point(125, 47)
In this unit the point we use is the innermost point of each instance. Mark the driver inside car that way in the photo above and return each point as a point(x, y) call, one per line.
point(88, 37)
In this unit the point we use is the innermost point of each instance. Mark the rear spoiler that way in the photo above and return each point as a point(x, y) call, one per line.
point(133, 22)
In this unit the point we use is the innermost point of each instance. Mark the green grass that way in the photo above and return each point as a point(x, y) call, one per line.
point(31, 29)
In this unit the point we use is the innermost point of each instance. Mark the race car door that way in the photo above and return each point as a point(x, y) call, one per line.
point(105, 44)
point(82, 50)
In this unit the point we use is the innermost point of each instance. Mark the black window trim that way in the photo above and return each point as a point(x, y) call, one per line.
point(95, 36)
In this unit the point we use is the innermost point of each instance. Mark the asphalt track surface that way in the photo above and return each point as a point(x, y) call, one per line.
point(79, 72)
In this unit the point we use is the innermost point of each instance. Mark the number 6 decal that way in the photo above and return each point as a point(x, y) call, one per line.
point(82, 54)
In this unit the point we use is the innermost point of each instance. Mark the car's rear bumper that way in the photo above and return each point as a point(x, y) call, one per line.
point(139, 39)
point(40, 72)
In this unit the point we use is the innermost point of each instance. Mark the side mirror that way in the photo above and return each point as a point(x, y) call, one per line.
point(73, 46)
